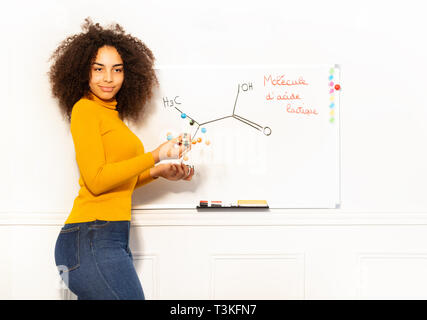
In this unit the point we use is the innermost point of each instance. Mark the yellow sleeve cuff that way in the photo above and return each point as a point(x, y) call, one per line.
point(145, 176)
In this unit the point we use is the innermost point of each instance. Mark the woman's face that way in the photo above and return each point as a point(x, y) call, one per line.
point(106, 73)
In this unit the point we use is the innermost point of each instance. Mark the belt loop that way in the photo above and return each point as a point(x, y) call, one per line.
point(128, 235)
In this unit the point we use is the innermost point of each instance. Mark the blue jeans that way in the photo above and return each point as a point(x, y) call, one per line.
point(95, 262)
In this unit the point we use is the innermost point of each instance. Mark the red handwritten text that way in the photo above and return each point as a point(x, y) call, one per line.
point(269, 97)
point(291, 96)
point(281, 81)
point(286, 96)
point(300, 110)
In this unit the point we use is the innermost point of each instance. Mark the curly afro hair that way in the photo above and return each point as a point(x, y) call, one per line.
point(69, 73)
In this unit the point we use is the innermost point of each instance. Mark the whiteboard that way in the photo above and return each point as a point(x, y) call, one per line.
point(273, 134)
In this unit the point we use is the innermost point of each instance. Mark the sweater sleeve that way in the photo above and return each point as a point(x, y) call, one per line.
point(144, 178)
point(99, 176)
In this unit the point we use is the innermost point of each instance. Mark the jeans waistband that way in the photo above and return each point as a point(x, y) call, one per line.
point(112, 226)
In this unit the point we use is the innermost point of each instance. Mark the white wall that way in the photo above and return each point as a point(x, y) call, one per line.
point(374, 246)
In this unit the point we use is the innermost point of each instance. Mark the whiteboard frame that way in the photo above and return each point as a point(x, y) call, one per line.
point(147, 207)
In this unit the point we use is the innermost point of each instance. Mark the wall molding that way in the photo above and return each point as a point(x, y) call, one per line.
point(298, 258)
point(140, 257)
point(179, 217)
point(364, 258)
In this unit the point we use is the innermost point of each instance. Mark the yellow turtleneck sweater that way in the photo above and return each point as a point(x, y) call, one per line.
point(111, 161)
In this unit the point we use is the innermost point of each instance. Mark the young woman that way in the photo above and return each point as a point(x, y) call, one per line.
point(100, 77)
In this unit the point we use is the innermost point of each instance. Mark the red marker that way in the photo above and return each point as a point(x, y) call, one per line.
point(337, 87)
point(216, 203)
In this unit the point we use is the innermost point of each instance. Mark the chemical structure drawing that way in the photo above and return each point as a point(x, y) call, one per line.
point(167, 103)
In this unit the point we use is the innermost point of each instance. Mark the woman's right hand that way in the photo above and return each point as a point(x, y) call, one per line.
point(174, 148)
point(173, 171)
